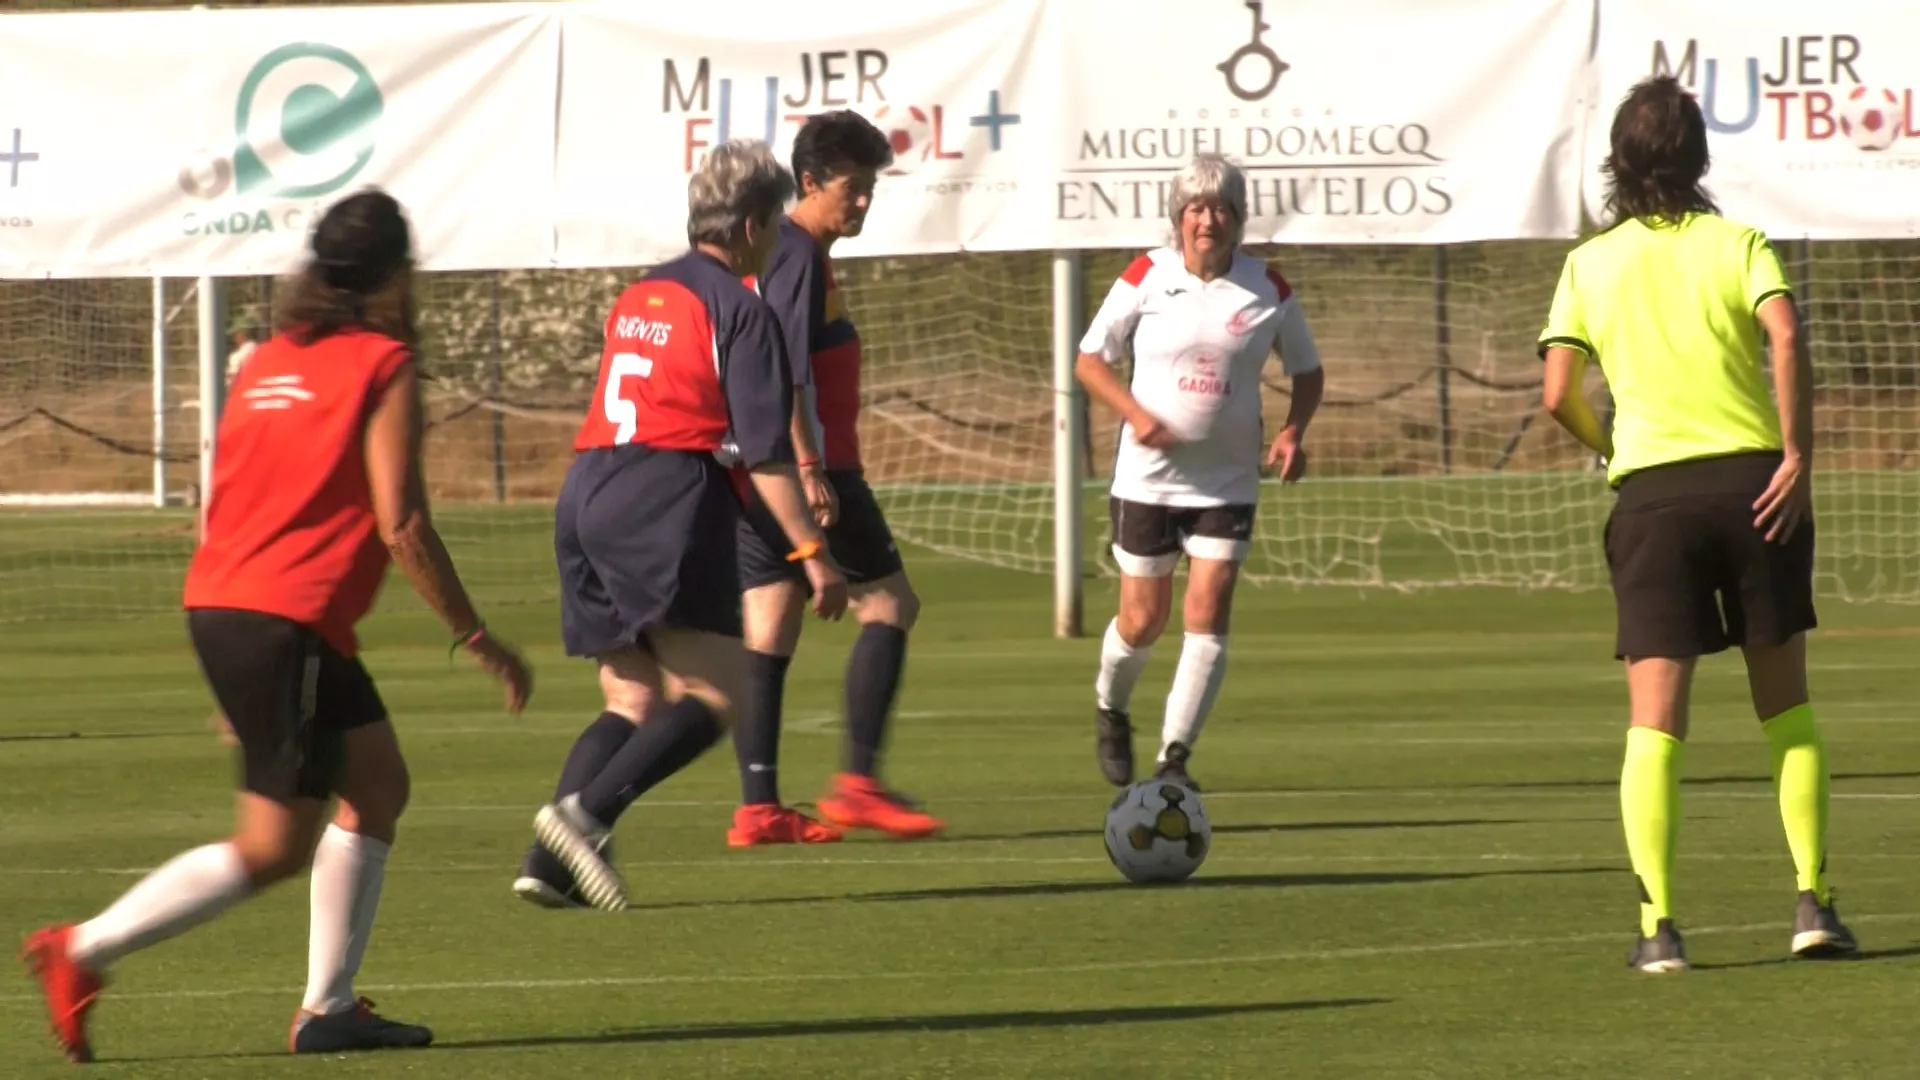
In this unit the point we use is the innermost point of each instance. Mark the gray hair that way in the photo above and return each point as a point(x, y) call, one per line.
point(740, 181)
point(1208, 176)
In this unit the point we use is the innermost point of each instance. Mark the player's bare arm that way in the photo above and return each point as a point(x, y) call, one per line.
point(812, 466)
point(1288, 454)
point(1568, 406)
point(1788, 500)
point(400, 506)
point(1108, 390)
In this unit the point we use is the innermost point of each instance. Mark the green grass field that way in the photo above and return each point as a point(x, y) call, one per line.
point(1417, 869)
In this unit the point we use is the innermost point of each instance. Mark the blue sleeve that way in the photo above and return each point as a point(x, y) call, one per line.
point(796, 290)
point(755, 376)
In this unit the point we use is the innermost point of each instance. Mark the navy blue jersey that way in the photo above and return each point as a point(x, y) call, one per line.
point(822, 344)
point(693, 361)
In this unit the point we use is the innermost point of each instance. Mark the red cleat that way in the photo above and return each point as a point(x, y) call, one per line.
point(766, 823)
point(69, 988)
point(861, 802)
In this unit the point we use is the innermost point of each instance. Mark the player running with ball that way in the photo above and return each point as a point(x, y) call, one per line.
point(316, 487)
point(1200, 319)
point(1710, 542)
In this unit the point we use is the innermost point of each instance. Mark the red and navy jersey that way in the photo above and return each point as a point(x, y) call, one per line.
point(693, 361)
point(290, 529)
point(822, 344)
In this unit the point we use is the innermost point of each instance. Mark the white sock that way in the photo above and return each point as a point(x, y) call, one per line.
point(1120, 667)
point(348, 870)
point(189, 890)
point(1196, 682)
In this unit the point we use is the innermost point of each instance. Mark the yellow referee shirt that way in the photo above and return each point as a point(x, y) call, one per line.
point(1667, 310)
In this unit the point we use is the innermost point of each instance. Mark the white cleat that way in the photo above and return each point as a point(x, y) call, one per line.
point(540, 894)
point(576, 840)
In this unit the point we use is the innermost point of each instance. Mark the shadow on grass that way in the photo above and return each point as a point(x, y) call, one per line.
point(1864, 956)
point(1702, 781)
point(942, 1022)
point(1216, 881)
point(1082, 888)
point(1257, 827)
point(98, 736)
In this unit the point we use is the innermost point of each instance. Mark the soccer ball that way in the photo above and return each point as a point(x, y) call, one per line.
point(1157, 830)
point(909, 132)
point(1872, 118)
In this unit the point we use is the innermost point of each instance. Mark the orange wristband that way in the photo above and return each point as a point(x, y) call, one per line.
point(805, 551)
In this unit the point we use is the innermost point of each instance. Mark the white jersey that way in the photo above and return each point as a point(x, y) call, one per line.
point(1198, 351)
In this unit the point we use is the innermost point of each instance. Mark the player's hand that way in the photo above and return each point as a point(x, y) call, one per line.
point(499, 660)
point(829, 586)
point(1148, 431)
point(1287, 457)
point(821, 499)
point(1787, 502)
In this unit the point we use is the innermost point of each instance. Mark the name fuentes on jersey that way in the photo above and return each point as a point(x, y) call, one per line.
point(642, 331)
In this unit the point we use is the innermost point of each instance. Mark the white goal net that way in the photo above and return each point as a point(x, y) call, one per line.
point(1433, 464)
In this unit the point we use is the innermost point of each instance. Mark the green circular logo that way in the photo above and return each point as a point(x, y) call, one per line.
point(304, 122)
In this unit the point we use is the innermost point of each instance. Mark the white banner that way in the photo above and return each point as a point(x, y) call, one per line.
point(196, 142)
point(1367, 121)
point(647, 88)
point(1811, 113)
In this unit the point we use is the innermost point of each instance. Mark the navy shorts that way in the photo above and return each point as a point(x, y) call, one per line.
point(644, 540)
point(859, 539)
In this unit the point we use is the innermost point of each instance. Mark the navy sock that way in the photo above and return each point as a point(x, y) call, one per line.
point(756, 735)
point(662, 745)
point(591, 752)
point(873, 679)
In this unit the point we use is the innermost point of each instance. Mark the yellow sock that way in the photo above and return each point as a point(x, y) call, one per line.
point(1800, 781)
point(1650, 810)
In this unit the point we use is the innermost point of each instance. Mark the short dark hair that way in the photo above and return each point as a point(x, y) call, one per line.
point(838, 140)
point(353, 279)
point(1658, 155)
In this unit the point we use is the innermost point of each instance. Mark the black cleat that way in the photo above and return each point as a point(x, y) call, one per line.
point(1660, 954)
point(1818, 933)
point(358, 1028)
point(1113, 744)
point(1175, 767)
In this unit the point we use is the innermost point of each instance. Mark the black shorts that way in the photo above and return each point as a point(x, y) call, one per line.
point(1691, 573)
point(1148, 538)
point(859, 539)
point(644, 540)
point(290, 697)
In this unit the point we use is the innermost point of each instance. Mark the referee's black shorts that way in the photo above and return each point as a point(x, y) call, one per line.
point(1691, 574)
point(290, 697)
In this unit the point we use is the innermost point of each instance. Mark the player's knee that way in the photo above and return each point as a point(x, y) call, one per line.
point(893, 604)
point(717, 701)
point(1142, 623)
point(625, 692)
point(372, 807)
point(771, 618)
point(273, 856)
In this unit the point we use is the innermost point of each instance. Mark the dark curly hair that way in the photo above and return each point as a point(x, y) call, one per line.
point(1659, 155)
point(833, 142)
point(357, 277)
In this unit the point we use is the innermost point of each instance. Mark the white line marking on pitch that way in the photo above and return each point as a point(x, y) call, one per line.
point(1250, 959)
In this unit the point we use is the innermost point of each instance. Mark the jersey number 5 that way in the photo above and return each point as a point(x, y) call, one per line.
point(623, 414)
